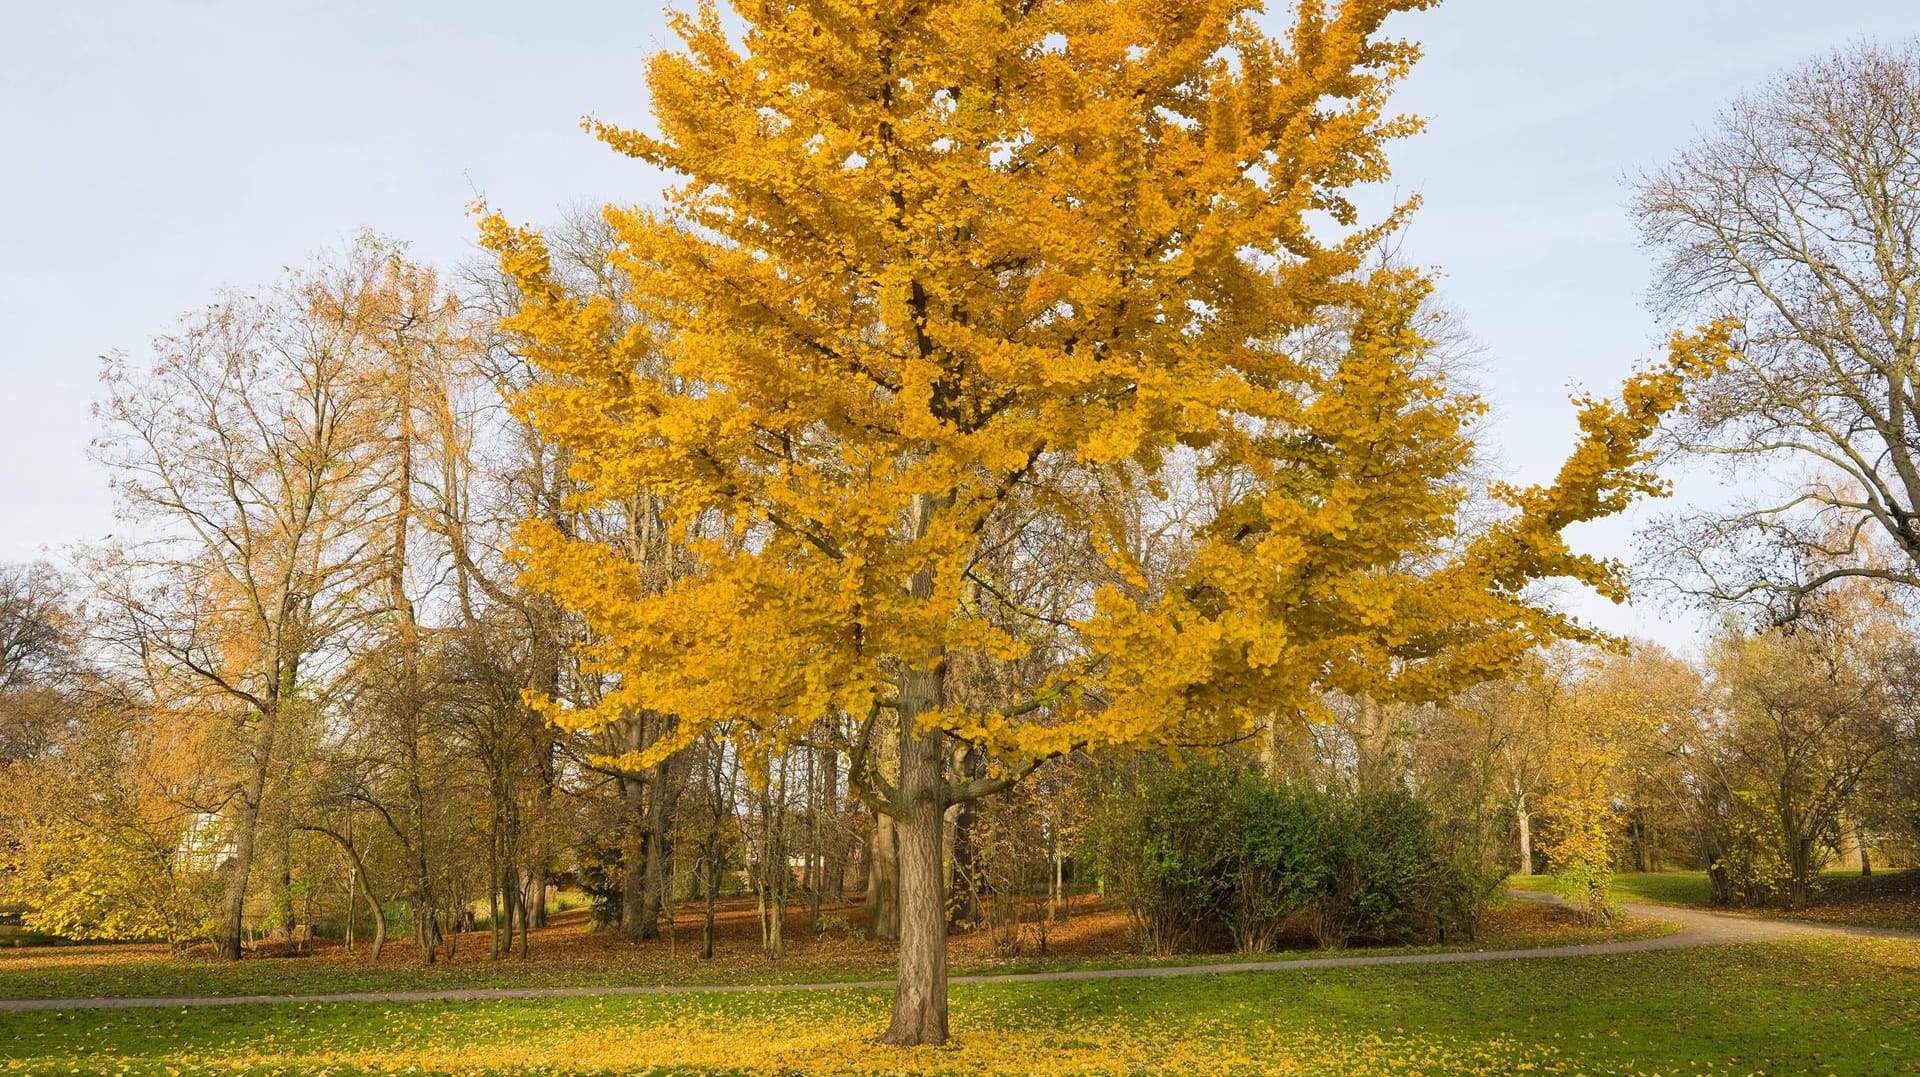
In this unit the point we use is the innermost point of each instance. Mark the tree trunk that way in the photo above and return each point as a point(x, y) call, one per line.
point(546, 660)
point(359, 872)
point(963, 903)
point(834, 863)
point(712, 892)
point(633, 858)
point(495, 894)
point(426, 931)
point(1056, 878)
point(506, 902)
point(280, 924)
point(1374, 764)
point(353, 908)
point(771, 868)
point(536, 901)
point(233, 908)
point(1800, 868)
point(1525, 819)
point(920, 994)
point(655, 884)
point(426, 925)
point(536, 885)
point(816, 867)
point(883, 881)
point(530, 899)
point(373, 902)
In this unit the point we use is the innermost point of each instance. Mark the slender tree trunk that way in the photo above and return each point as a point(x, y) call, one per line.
point(508, 887)
point(1056, 890)
point(532, 901)
point(712, 889)
point(359, 873)
point(1524, 818)
point(920, 995)
point(963, 903)
point(772, 868)
point(1649, 840)
point(773, 920)
point(835, 863)
point(512, 911)
point(816, 854)
point(426, 926)
point(246, 823)
point(497, 900)
point(883, 881)
point(353, 907)
point(525, 912)
point(373, 903)
point(280, 928)
point(546, 661)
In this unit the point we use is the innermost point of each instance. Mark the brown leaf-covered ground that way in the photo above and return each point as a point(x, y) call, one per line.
point(1092, 935)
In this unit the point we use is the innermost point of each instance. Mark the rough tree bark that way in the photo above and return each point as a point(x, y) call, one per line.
point(633, 858)
point(920, 998)
point(655, 884)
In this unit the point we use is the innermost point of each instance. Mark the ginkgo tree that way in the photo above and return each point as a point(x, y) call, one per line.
point(930, 262)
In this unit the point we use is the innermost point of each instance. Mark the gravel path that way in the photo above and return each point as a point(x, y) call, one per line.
point(1697, 928)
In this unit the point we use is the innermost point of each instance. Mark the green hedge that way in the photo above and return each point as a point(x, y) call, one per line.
point(1210, 854)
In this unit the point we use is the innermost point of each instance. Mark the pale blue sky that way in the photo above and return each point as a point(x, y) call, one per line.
point(153, 152)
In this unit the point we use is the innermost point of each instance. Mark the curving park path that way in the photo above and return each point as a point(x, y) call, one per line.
point(1697, 927)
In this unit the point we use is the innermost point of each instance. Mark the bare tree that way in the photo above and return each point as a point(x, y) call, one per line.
point(38, 662)
point(1798, 213)
point(243, 459)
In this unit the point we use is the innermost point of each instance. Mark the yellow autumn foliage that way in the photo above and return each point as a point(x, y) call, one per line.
point(927, 264)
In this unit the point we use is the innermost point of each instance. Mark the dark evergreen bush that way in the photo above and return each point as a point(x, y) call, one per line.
point(1211, 853)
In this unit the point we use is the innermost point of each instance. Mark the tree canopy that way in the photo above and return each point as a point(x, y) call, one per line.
point(936, 274)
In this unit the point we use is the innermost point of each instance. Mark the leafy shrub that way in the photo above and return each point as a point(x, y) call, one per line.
point(830, 926)
point(1384, 878)
point(1212, 853)
point(600, 878)
point(1282, 838)
point(1169, 853)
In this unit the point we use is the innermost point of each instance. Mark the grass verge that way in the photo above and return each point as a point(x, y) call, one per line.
point(1886, 899)
point(1799, 1007)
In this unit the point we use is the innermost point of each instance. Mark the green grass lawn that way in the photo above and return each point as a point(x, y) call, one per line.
point(1885, 899)
point(1654, 888)
point(1802, 1007)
